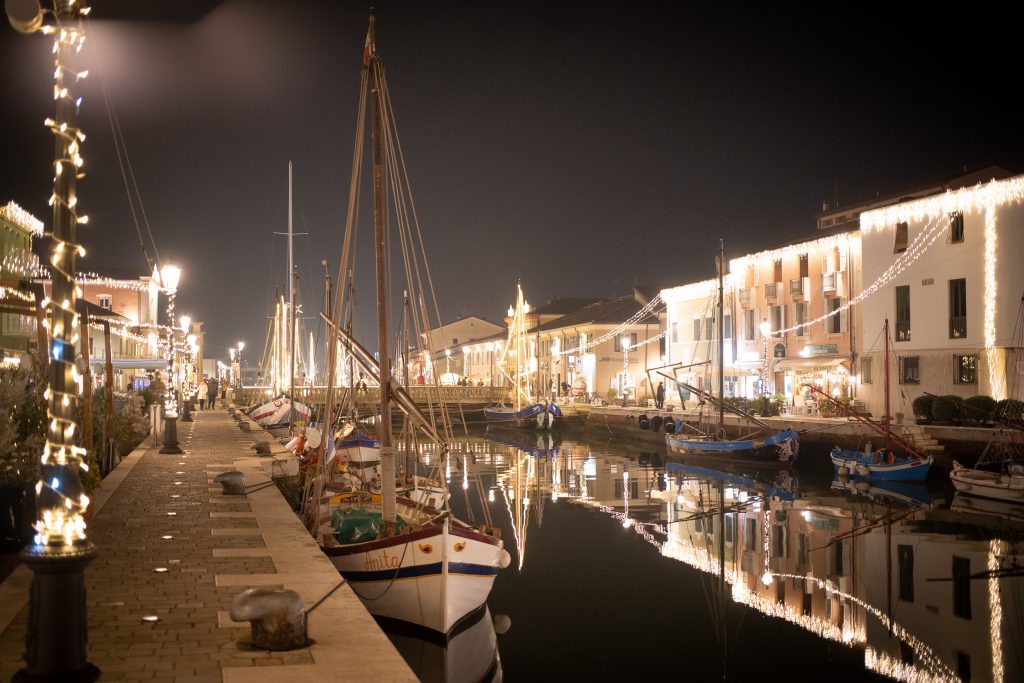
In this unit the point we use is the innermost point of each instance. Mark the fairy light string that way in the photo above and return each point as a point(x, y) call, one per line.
point(60, 498)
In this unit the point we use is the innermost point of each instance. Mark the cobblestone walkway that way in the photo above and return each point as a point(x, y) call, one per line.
point(171, 546)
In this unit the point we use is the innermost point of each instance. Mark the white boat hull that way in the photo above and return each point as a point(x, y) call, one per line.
point(432, 578)
point(995, 485)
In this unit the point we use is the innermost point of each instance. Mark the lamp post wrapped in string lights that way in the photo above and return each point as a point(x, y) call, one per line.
point(60, 552)
point(169, 277)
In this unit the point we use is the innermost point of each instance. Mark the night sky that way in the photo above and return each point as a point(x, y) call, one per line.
point(579, 149)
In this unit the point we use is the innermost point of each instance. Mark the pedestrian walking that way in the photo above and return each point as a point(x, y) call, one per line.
point(211, 390)
point(659, 398)
point(203, 391)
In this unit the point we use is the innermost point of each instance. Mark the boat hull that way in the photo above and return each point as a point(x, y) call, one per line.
point(994, 485)
point(275, 414)
point(536, 416)
point(432, 578)
point(777, 450)
point(862, 464)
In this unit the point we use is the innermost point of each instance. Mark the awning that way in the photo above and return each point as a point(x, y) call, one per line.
point(813, 364)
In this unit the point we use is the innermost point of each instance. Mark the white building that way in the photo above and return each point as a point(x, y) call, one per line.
point(946, 271)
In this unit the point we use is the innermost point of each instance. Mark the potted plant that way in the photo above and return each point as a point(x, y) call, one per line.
point(22, 436)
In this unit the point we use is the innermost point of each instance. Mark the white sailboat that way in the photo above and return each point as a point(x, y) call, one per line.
point(433, 570)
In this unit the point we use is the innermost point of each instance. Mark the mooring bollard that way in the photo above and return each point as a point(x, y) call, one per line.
point(232, 481)
point(261, 448)
point(277, 617)
point(244, 426)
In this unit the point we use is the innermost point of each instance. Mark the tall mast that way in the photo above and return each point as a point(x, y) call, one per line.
point(888, 425)
point(387, 453)
point(291, 303)
point(721, 336)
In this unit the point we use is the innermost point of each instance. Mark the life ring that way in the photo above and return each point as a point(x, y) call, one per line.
point(656, 423)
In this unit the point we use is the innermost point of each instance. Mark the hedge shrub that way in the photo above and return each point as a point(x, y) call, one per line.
point(980, 409)
point(922, 406)
point(945, 408)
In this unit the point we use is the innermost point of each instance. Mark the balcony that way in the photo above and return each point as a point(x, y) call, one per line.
point(830, 282)
point(800, 288)
point(773, 291)
point(748, 297)
point(957, 326)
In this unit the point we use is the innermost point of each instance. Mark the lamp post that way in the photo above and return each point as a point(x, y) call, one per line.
point(169, 278)
point(187, 376)
point(241, 347)
point(55, 639)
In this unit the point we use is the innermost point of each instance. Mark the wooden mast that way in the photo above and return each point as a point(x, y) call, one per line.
point(888, 419)
point(387, 453)
point(721, 338)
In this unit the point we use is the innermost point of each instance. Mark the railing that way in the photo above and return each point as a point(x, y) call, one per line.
point(798, 287)
point(957, 326)
point(771, 290)
point(829, 282)
point(371, 395)
point(747, 296)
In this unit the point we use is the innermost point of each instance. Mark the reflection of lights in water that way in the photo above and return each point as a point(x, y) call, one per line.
point(995, 606)
point(807, 515)
point(490, 495)
point(766, 578)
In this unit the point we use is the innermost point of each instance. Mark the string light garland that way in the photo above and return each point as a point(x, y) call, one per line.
point(60, 499)
point(633, 320)
point(22, 218)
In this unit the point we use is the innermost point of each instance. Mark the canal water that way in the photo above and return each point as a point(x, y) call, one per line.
point(616, 571)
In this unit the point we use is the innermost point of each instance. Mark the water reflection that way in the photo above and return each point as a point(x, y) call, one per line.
point(925, 590)
point(470, 654)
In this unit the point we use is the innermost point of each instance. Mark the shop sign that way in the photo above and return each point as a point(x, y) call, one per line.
point(780, 351)
point(821, 349)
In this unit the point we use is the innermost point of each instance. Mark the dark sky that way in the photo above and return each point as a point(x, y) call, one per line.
point(575, 147)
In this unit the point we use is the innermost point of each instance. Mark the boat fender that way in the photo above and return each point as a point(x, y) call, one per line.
point(502, 623)
point(643, 422)
point(890, 458)
point(656, 423)
point(504, 559)
point(844, 471)
point(670, 425)
point(863, 470)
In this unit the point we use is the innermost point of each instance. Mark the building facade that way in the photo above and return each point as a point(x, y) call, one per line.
point(18, 325)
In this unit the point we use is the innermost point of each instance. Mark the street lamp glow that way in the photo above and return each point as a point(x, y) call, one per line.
point(241, 346)
point(448, 352)
point(186, 322)
point(766, 328)
point(625, 342)
point(169, 277)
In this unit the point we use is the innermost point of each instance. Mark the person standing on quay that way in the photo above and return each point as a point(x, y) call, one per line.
point(203, 391)
point(659, 397)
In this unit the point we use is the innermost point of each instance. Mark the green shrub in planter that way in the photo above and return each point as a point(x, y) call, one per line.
point(945, 408)
point(980, 408)
point(922, 406)
point(1010, 410)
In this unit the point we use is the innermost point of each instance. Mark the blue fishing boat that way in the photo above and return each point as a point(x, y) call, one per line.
point(881, 464)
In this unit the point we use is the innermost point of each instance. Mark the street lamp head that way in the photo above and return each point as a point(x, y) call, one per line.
point(448, 352)
point(241, 346)
point(26, 16)
point(186, 322)
point(169, 277)
point(625, 342)
point(766, 328)
point(466, 349)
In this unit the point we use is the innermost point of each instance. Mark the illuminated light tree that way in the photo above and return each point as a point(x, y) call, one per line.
point(56, 638)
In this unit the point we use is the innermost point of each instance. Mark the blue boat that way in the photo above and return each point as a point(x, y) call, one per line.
point(779, 449)
point(536, 416)
point(881, 464)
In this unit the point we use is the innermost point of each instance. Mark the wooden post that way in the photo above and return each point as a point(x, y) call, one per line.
point(108, 425)
point(86, 380)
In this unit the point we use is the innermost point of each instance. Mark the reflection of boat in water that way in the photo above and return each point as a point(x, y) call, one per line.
point(987, 506)
point(470, 655)
point(541, 444)
point(912, 494)
point(784, 486)
point(1006, 485)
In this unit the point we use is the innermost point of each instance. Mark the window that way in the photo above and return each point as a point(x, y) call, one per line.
point(455, 341)
point(803, 265)
point(835, 559)
point(909, 369)
point(105, 302)
point(750, 324)
point(965, 369)
point(903, 313)
point(963, 666)
point(709, 328)
point(777, 270)
point(618, 341)
point(834, 322)
point(865, 371)
point(905, 555)
point(696, 329)
point(800, 317)
point(728, 326)
point(962, 587)
point(778, 320)
point(634, 488)
point(900, 245)
point(675, 331)
point(958, 308)
point(956, 227)
point(751, 537)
